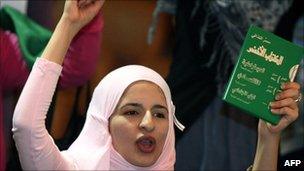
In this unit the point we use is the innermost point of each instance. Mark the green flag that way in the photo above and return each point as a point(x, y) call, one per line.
point(32, 37)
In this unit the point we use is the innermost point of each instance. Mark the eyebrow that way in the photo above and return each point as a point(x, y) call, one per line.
point(157, 106)
point(132, 104)
point(160, 107)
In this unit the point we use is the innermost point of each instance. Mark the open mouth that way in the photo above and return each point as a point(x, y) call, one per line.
point(146, 144)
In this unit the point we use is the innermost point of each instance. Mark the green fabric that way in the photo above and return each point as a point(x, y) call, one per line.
point(32, 37)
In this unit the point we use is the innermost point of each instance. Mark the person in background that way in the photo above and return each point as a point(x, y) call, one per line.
point(292, 143)
point(208, 36)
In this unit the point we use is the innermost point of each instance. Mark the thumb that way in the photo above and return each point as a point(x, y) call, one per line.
point(283, 123)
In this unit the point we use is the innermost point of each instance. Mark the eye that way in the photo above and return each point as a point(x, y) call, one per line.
point(159, 115)
point(131, 112)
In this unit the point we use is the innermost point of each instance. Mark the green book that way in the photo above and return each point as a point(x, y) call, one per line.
point(265, 62)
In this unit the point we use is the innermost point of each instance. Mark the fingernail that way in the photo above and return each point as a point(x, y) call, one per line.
point(271, 104)
point(282, 86)
point(277, 97)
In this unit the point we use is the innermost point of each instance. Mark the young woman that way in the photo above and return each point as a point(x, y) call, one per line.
point(130, 119)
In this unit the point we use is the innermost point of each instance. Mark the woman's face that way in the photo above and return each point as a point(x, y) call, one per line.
point(140, 124)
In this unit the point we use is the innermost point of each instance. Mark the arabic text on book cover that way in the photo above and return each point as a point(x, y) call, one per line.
point(265, 62)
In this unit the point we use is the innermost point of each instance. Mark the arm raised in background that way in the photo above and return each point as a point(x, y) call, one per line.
point(36, 148)
point(266, 157)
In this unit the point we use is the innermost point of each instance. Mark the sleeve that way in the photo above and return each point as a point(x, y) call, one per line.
point(36, 148)
point(81, 59)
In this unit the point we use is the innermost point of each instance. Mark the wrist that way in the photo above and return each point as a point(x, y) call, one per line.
point(269, 138)
point(60, 41)
point(67, 26)
point(266, 133)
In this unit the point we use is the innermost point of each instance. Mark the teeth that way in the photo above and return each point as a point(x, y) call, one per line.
point(146, 145)
point(146, 142)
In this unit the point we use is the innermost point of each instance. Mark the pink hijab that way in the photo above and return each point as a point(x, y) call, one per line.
point(93, 149)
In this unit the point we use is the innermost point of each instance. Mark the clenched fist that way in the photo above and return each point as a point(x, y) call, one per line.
point(80, 12)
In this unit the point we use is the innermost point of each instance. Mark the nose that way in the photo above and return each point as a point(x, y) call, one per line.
point(147, 122)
